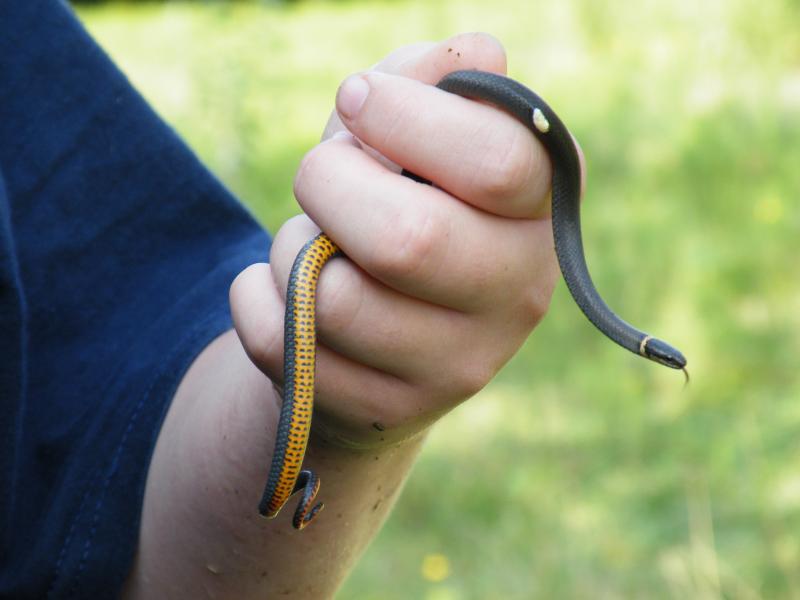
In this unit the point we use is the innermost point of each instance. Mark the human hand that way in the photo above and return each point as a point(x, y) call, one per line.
point(440, 286)
point(443, 282)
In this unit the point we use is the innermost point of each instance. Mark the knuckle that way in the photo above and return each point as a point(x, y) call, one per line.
point(301, 175)
point(288, 240)
point(266, 352)
point(410, 244)
point(310, 166)
point(471, 378)
point(236, 291)
point(341, 298)
point(259, 333)
point(528, 304)
point(397, 110)
point(295, 227)
point(507, 166)
point(535, 304)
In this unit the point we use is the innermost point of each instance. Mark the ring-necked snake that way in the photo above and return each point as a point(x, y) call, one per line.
point(285, 477)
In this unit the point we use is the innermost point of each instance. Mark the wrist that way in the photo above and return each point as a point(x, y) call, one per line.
point(357, 435)
point(358, 440)
point(365, 435)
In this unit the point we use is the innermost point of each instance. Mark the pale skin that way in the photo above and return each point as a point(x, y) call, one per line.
point(440, 287)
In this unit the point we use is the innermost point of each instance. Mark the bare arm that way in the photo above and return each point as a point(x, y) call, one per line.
point(201, 531)
point(441, 286)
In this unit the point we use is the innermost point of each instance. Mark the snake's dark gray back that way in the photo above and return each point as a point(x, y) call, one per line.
point(521, 103)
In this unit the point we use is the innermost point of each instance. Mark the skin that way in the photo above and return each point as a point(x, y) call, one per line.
point(441, 286)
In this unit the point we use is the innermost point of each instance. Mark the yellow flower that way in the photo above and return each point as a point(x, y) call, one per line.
point(435, 567)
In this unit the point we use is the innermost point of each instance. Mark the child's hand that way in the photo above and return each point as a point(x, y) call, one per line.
point(441, 283)
point(440, 286)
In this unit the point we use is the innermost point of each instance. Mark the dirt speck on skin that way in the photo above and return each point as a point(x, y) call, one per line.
point(213, 569)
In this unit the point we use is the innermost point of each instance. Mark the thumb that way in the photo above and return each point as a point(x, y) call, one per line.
point(430, 61)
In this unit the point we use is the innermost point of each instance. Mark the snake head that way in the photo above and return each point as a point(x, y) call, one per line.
point(664, 354)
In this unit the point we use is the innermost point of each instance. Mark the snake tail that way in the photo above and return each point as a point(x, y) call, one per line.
point(294, 424)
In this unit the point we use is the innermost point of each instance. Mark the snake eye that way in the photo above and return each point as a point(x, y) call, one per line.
point(662, 353)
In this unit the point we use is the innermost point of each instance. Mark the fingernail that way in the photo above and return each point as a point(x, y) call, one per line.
point(352, 94)
point(342, 135)
point(345, 136)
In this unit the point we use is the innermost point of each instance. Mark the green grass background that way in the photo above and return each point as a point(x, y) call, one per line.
point(581, 471)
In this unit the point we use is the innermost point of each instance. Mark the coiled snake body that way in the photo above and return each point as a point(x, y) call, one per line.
point(285, 477)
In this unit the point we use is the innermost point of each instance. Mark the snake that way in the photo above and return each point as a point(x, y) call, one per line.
point(294, 425)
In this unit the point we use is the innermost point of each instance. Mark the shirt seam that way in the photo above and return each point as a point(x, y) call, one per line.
point(112, 468)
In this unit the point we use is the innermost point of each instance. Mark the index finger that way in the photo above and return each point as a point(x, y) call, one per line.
point(474, 151)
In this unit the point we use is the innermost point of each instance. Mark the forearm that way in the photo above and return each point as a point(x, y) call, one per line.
point(201, 532)
point(359, 489)
point(412, 322)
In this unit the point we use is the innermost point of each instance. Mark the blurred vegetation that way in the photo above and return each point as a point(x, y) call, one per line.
point(116, 2)
point(581, 471)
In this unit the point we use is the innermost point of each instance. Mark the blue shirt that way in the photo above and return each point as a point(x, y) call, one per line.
point(117, 248)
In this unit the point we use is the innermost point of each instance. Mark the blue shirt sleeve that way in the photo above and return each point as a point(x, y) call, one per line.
point(117, 248)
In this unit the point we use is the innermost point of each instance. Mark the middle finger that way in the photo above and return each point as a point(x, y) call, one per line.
point(418, 239)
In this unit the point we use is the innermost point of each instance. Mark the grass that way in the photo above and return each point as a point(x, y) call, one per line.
point(580, 471)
